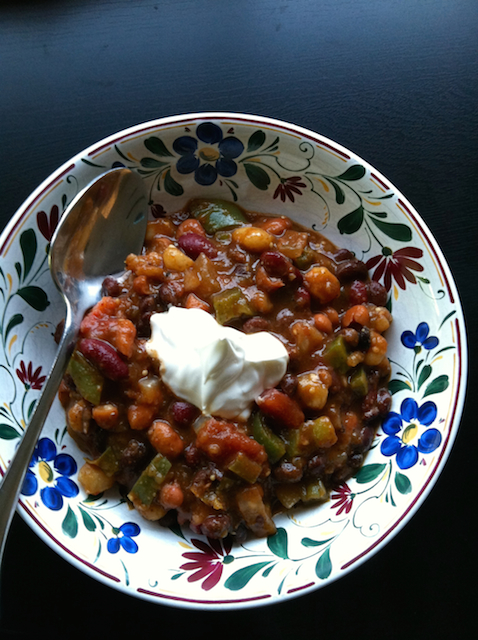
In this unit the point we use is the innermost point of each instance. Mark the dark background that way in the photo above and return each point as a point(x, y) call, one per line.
point(396, 82)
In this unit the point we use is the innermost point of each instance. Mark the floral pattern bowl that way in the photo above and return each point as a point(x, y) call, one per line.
point(272, 167)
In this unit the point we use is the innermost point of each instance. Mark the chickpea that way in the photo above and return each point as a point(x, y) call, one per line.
point(94, 480)
point(253, 239)
point(308, 338)
point(323, 323)
point(322, 284)
point(190, 225)
point(358, 314)
point(332, 315)
point(165, 439)
point(260, 300)
point(380, 319)
point(312, 391)
point(106, 416)
point(152, 512)
point(175, 260)
point(377, 350)
point(140, 416)
point(171, 495)
point(355, 358)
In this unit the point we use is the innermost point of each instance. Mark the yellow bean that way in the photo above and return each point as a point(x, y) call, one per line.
point(322, 284)
point(175, 260)
point(253, 239)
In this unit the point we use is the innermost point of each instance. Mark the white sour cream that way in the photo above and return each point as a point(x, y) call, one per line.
point(219, 369)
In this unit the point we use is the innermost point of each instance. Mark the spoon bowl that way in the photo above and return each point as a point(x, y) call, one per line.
point(101, 226)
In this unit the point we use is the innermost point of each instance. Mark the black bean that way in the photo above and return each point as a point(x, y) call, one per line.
point(111, 287)
point(316, 466)
point(287, 471)
point(171, 292)
point(288, 384)
point(216, 526)
point(384, 401)
point(133, 454)
point(364, 339)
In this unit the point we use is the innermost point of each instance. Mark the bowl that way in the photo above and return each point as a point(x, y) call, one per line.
point(272, 167)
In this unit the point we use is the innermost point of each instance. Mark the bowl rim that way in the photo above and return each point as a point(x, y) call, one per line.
point(458, 398)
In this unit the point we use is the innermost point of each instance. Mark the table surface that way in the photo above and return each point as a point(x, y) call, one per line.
point(395, 81)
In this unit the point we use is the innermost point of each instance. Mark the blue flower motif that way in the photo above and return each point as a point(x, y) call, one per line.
point(419, 339)
point(399, 440)
point(123, 538)
point(215, 157)
point(53, 471)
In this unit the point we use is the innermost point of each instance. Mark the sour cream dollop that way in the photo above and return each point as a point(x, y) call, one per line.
point(220, 370)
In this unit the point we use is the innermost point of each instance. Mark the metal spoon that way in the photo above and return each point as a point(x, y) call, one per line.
point(101, 226)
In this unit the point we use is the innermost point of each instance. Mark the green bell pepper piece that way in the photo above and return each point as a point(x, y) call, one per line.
point(271, 442)
point(147, 485)
point(245, 468)
point(215, 214)
point(335, 354)
point(306, 258)
point(315, 490)
point(230, 304)
point(88, 380)
point(359, 382)
point(108, 462)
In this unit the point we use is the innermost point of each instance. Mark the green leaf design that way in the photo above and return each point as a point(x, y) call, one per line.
point(369, 472)
point(18, 269)
point(394, 386)
point(69, 526)
point(323, 568)
point(394, 230)
point(257, 176)
point(378, 214)
point(30, 408)
point(437, 386)
point(7, 432)
point(278, 543)
point(352, 221)
point(339, 194)
point(157, 146)
point(240, 578)
point(28, 244)
point(355, 172)
point(425, 373)
point(87, 520)
point(14, 321)
point(402, 483)
point(152, 163)
point(256, 140)
point(308, 542)
point(171, 186)
point(35, 297)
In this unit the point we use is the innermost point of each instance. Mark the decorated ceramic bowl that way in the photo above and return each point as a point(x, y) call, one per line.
point(271, 167)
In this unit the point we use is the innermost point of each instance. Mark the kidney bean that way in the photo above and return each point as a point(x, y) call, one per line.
point(105, 357)
point(358, 292)
point(276, 264)
point(377, 293)
point(192, 455)
point(343, 254)
point(255, 324)
point(352, 269)
point(193, 244)
point(278, 406)
point(302, 298)
point(184, 413)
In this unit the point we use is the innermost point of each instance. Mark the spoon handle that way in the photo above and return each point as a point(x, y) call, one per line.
point(15, 473)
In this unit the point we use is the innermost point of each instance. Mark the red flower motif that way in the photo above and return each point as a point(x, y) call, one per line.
point(344, 499)
point(47, 225)
point(288, 186)
point(396, 265)
point(30, 378)
point(208, 563)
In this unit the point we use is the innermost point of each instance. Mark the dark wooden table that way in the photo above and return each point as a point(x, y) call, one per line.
point(393, 80)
